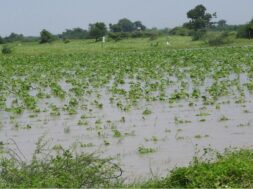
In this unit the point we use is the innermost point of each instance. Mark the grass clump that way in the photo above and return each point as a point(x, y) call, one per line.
point(147, 112)
point(63, 170)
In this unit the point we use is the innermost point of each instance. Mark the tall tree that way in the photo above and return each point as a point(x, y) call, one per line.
point(1, 40)
point(126, 25)
point(46, 37)
point(199, 18)
point(221, 23)
point(97, 30)
point(138, 26)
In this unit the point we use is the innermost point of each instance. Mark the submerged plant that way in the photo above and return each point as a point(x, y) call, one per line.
point(145, 150)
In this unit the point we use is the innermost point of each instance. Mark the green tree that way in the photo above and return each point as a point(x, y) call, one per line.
point(76, 33)
point(126, 25)
point(97, 30)
point(1, 40)
point(246, 31)
point(115, 28)
point(14, 37)
point(222, 23)
point(138, 26)
point(46, 37)
point(199, 18)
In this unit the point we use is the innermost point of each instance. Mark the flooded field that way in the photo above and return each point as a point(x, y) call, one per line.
point(150, 110)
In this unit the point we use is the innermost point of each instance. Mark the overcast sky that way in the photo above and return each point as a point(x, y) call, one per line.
point(29, 17)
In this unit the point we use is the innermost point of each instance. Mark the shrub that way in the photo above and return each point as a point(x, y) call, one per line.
point(6, 50)
point(216, 39)
point(66, 41)
point(46, 37)
point(182, 31)
point(64, 170)
point(117, 36)
point(246, 31)
point(234, 169)
point(198, 35)
point(137, 34)
point(153, 36)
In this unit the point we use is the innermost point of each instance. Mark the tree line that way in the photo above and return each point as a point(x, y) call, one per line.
point(123, 28)
point(200, 22)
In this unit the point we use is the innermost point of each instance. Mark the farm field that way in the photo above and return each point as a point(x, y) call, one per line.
point(149, 107)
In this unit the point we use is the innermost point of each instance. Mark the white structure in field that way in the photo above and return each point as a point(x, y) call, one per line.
point(168, 43)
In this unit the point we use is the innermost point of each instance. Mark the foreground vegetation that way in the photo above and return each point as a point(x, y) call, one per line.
point(65, 170)
point(233, 169)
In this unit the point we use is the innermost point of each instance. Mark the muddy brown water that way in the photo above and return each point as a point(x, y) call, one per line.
point(175, 131)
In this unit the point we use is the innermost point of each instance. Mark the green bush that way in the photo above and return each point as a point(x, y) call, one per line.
point(64, 170)
point(198, 35)
point(246, 31)
point(182, 31)
point(216, 39)
point(234, 169)
point(137, 34)
point(6, 49)
point(46, 37)
point(153, 36)
point(117, 36)
point(66, 41)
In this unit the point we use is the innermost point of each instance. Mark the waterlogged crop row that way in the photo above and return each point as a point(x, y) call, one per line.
point(125, 78)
